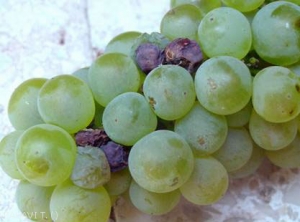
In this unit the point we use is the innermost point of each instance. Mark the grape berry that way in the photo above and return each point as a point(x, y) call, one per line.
point(161, 115)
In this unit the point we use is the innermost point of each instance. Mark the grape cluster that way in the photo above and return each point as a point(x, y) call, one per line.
point(161, 115)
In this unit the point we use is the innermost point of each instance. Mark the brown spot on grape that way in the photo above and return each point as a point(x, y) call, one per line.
point(175, 181)
point(201, 141)
point(152, 102)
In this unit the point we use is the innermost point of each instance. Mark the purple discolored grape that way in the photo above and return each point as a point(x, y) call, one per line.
point(91, 137)
point(185, 53)
point(116, 154)
point(148, 56)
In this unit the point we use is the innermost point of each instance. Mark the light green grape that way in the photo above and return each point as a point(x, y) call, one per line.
point(225, 31)
point(181, 22)
point(255, 161)
point(223, 85)
point(34, 201)
point(237, 149)
point(72, 203)
point(122, 42)
point(97, 123)
point(45, 154)
point(208, 182)
point(7, 154)
point(119, 182)
point(111, 75)
point(91, 168)
point(170, 91)
point(295, 68)
point(153, 203)
point(204, 5)
point(297, 2)
point(128, 117)
point(82, 74)
point(276, 33)
point(288, 157)
point(244, 6)
point(204, 131)
point(276, 94)
point(240, 118)
point(22, 107)
point(68, 102)
point(161, 161)
point(272, 136)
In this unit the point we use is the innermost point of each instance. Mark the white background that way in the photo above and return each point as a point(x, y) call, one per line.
point(44, 38)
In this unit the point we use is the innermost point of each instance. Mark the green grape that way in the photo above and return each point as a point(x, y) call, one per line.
point(161, 161)
point(244, 6)
point(68, 102)
point(91, 168)
point(204, 131)
point(237, 149)
point(181, 22)
point(34, 201)
point(97, 123)
point(276, 94)
point(74, 204)
point(297, 2)
point(288, 157)
point(82, 74)
point(7, 154)
point(119, 182)
point(276, 33)
point(122, 43)
point(255, 161)
point(295, 68)
point(22, 107)
point(272, 136)
point(240, 118)
point(208, 182)
point(127, 118)
point(169, 89)
point(111, 75)
point(45, 154)
point(225, 31)
point(223, 85)
point(204, 5)
point(153, 203)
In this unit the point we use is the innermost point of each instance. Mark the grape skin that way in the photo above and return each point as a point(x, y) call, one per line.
point(153, 203)
point(161, 161)
point(128, 117)
point(22, 107)
point(208, 182)
point(72, 203)
point(75, 108)
point(42, 151)
point(170, 91)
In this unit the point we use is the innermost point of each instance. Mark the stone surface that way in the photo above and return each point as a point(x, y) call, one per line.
point(41, 38)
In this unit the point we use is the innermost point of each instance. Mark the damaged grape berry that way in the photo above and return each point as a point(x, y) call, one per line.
point(185, 53)
point(148, 57)
point(116, 154)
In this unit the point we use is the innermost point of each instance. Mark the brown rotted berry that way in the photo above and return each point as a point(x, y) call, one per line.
point(185, 53)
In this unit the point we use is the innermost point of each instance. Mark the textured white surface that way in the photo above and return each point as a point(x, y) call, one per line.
point(43, 38)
